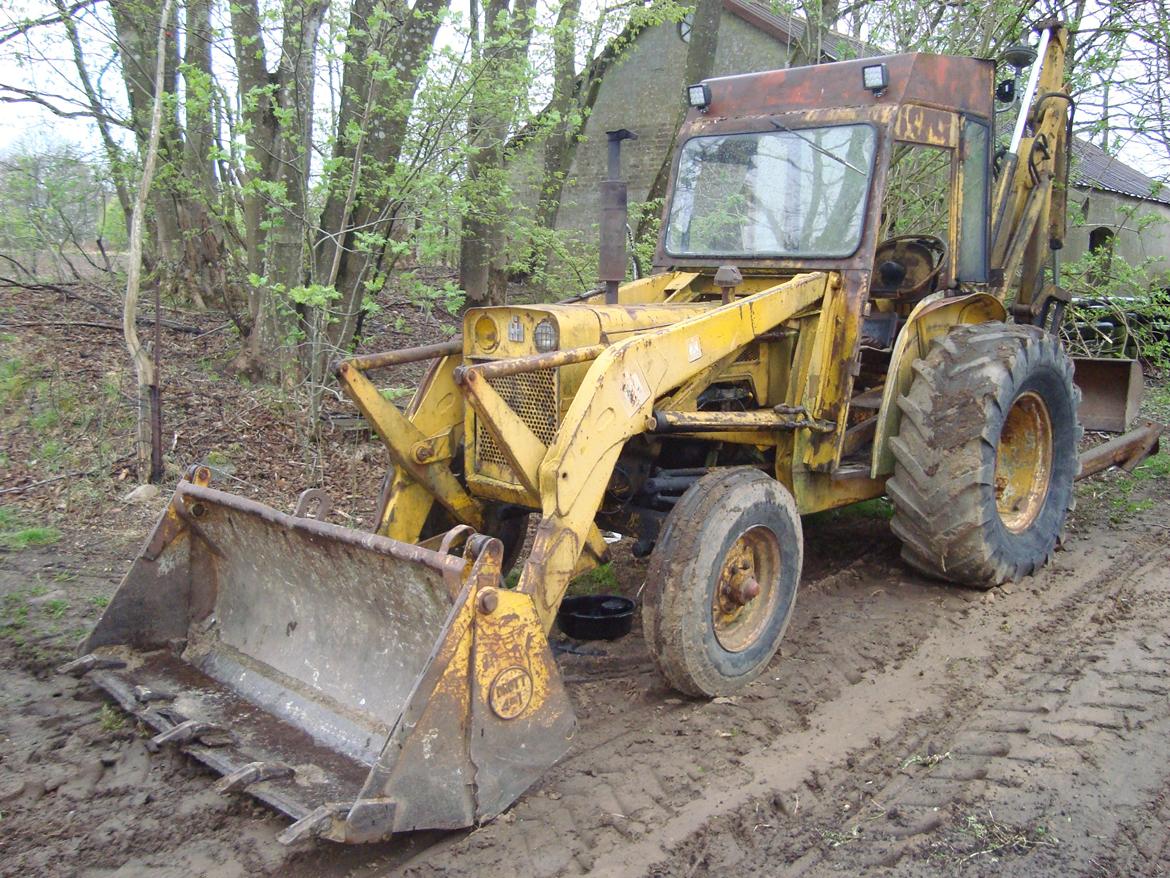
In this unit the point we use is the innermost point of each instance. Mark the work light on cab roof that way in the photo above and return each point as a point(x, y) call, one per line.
point(699, 96)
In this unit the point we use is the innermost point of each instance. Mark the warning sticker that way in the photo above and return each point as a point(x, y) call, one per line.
point(635, 391)
point(694, 350)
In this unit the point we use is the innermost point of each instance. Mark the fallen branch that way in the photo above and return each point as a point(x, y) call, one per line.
point(145, 320)
point(20, 489)
point(176, 327)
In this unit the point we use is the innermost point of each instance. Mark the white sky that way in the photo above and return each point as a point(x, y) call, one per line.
point(52, 71)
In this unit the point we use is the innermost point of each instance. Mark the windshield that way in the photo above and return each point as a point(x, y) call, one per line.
point(789, 192)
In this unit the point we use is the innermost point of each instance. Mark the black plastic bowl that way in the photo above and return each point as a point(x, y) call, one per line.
point(596, 617)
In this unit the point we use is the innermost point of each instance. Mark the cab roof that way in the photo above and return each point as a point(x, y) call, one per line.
point(947, 82)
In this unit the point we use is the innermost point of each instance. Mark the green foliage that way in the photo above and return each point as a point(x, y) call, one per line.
point(57, 201)
point(1119, 308)
point(393, 394)
point(427, 295)
point(878, 509)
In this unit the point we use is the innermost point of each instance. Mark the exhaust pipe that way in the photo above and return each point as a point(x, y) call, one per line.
point(614, 219)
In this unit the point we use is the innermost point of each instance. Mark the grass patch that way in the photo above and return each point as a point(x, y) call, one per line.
point(877, 509)
point(1156, 467)
point(45, 419)
point(14, 535)
point(55, 608)
point(14, 381)
point(15, 609)
point(111, 719)
point(29, 537)
point(599, 580)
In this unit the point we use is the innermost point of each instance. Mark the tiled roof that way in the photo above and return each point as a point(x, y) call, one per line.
point(1093, 168)
point(790, 28)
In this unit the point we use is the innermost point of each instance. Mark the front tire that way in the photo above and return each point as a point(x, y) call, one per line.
point(986, 455)
point(721, 583)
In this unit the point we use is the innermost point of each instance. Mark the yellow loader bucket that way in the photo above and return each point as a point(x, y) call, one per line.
point(360, 685)
point(1111, 393)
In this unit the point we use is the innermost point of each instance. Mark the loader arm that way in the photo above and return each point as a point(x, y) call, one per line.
point(420, 442)
point(1030, 197)
point(614, 404)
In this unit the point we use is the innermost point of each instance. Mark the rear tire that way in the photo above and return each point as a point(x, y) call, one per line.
point(986, 455)
point(722, 582)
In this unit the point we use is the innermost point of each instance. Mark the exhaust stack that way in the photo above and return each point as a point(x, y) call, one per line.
point(612, 268)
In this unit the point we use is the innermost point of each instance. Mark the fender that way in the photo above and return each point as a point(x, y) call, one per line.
point(931, 318)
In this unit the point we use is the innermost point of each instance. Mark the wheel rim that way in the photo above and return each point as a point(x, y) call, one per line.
point(1023, 462)
point(747, 589)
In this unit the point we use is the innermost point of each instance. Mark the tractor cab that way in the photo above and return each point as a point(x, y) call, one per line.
point(877, 168)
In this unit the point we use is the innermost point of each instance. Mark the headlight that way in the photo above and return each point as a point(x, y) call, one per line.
point(486, 336)
point(545, 336)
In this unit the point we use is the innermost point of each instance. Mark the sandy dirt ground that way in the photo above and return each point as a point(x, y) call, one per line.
point(906, 728)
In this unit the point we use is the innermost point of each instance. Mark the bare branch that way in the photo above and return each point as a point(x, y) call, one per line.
point(24, 27)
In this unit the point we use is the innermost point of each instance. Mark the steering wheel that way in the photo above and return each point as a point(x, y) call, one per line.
point(908, 266)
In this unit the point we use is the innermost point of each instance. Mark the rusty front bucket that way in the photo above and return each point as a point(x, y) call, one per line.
point(1111, 393)
point(360, 685)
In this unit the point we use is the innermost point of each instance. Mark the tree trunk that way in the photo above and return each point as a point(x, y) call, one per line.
point(558, 147)
point(149, 400)
point(495, 103)
point(277, 116)
point(372, 128)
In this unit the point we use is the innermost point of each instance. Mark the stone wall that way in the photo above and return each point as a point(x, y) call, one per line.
point(1135, 239)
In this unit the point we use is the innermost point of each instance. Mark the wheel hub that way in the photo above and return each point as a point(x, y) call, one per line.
point(1023, 462)
point(746, 589)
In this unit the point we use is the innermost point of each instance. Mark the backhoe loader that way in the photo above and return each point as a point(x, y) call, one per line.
point(806, 342)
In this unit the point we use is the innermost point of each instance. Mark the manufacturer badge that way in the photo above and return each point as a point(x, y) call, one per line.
point(515, 330)
point(510, 692)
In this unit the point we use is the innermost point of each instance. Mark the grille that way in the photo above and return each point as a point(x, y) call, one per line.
point(531, 395)
point(749, 354)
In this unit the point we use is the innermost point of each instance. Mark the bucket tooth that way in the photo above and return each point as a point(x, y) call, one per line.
point(79, 667)
point(253, 772)
point(206, 733)
point(313, 824)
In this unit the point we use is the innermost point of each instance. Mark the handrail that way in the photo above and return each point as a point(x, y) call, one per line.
point(369, 362)
point(531, 363)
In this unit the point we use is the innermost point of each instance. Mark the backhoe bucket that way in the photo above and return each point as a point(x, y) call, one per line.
point(1111, 392)
point(360, 685)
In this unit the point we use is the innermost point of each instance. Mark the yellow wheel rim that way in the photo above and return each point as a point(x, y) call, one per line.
point(747, 590)
point(1023, 462)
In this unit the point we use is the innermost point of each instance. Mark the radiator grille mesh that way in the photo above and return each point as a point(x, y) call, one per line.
point(531, 395)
